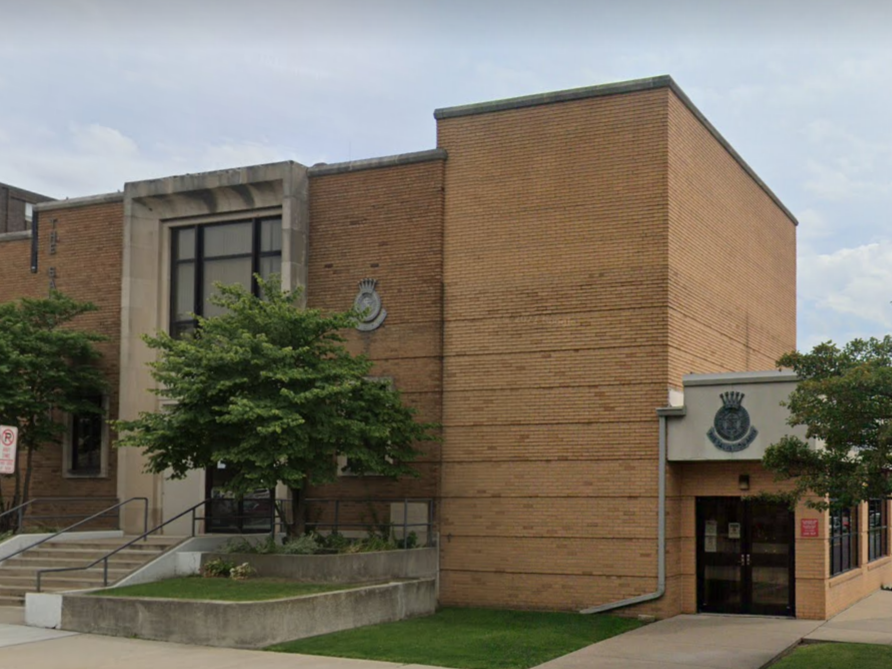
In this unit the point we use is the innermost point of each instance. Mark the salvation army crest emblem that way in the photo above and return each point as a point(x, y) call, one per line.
point(368, 305)
point(732, 429)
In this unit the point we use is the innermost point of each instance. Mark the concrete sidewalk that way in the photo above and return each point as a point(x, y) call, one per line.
point(868, 621)
point(89, 651)
point(722, 642)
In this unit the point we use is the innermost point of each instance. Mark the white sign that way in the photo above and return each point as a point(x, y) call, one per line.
point(734, 530)
point(712, 528)
point(9, 437)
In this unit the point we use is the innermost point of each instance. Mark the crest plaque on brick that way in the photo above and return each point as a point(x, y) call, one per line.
point(732, 430)
point(368, 305)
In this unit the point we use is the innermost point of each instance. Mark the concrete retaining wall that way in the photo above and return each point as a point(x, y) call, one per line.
point(247, 624)
point(352, 568)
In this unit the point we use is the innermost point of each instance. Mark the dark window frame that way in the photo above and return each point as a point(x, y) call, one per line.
point(877, 529)
point(92, 465)
point(844, 540)
point(198, 261)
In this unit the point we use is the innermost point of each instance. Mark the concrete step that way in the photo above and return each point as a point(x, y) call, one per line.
point(19, 592)
point(11, 574)
point(107, 545)
point(60, 582)
point(36, 562)
point(18, 575)
point(90, 554)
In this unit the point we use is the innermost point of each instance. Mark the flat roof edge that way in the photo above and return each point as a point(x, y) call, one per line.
point(428, 155)
point(86, 201)
point(730, 378)
point(680, 94)
point(602, 90)
point(568, 95)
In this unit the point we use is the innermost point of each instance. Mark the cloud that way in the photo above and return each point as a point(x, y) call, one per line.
point(94, 159)
point(850, 282)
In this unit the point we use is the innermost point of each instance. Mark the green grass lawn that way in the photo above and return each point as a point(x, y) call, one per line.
point(837, 656)
point(223, 589)
point(468, 638)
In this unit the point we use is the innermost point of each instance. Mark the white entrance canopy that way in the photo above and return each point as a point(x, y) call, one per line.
point(729, 416)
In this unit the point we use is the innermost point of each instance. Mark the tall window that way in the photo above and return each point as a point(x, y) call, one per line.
point(230, 253)
point(843, 540)
point(85, 452)
point(877, 529)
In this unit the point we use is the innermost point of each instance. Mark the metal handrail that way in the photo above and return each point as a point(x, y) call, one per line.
point(145, 500)
point(21, 507)
point(104, 559)
point(405, 525)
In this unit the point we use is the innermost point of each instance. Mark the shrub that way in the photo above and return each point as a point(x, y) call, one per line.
point(268, 546)
point(217, 568)
point(240, 545)
point(411, 541)
point(305, 544)
point(242, 572)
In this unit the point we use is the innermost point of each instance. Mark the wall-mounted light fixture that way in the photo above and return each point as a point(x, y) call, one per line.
point(743, 482)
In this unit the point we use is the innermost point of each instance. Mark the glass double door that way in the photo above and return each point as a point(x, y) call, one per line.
point(745, 557)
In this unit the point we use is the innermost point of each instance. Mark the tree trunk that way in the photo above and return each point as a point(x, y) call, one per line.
point(26, 489)
point(298, 511)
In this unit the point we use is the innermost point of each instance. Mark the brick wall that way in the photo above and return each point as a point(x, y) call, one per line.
point(555, 351)
point(88, 267)
point(732, 259)
point(386, 224)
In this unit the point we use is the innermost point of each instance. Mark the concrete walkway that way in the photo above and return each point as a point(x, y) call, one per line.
point(88, 651)
point(868, 621)
point(722, 642)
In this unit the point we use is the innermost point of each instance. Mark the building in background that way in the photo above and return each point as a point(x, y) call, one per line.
point(17, 209)
point(558, 269)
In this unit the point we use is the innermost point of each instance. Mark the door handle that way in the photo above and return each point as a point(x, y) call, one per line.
point(747, 559)
point(742, 559)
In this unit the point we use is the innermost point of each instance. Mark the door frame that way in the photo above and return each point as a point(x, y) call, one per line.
point(747, 607)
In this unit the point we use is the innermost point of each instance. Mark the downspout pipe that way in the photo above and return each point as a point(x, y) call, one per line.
point(663, 414)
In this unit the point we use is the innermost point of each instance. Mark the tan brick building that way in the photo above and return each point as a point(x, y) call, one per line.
point(555, 271)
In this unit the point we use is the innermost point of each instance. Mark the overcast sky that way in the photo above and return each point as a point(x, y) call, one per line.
point(94, 93)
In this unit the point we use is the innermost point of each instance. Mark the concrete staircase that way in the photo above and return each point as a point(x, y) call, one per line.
point(18, 575)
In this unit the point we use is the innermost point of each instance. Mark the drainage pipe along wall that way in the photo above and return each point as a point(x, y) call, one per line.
point(663, 414)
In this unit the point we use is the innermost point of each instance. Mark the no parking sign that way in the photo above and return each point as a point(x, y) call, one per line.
point(9, 437)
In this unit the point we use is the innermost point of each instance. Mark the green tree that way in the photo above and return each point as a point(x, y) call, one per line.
point(269, 389)
point(48, 368)
point(844, 398)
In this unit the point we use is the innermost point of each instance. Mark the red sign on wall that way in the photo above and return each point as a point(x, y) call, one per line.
point(808, 527)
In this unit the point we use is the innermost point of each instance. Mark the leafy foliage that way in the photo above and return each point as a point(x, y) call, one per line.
point(48, 369)
point(242, 572)
point(844, 398)
point(217, 568)
point(269, 389)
